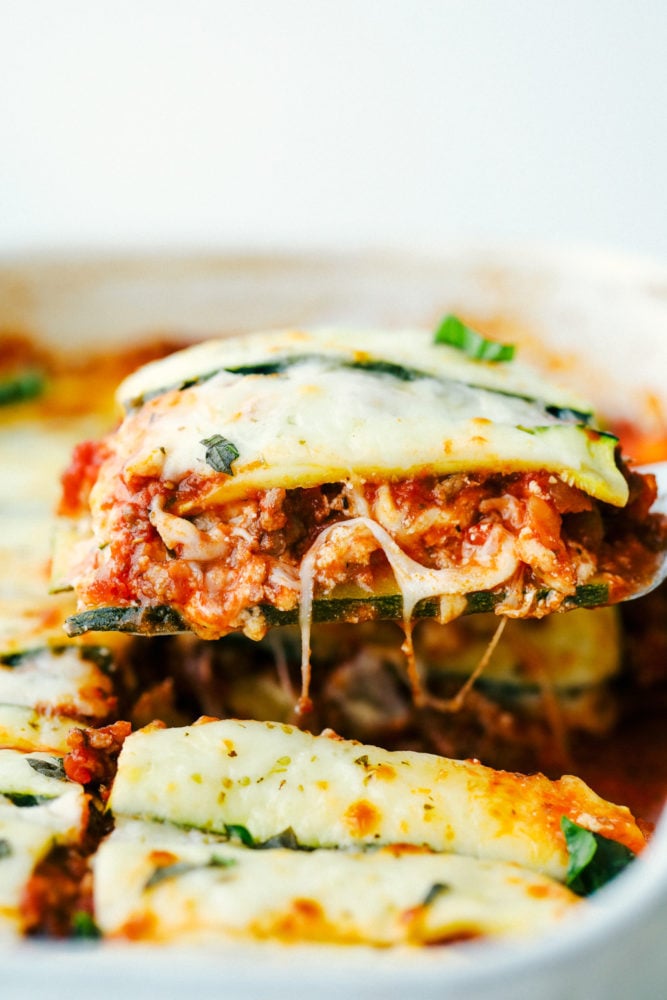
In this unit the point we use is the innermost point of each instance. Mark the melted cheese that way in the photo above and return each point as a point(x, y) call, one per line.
point(29, 831)
point(58, 681)
point(338, 793)
point(26, 844)
point(486, 566)
point(319, 421)
point(380, 897)
point(23, 728)
point(32, 774)
point(413, 349)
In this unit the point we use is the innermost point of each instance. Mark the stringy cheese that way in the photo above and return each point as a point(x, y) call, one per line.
point(484, 567)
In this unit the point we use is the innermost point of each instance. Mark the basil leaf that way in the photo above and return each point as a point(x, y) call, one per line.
point(26, 799)
point(437, 889)
point(25, 385)
point(220, 453)
point(50, 768)
point(594, 859)
point(243, 834)
point(286, 838)
point(5, 848)
point(455, 333)
point(83, 926)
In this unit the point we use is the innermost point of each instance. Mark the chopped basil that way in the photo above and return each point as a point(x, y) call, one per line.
point(569, 413)
point(51, 768)
point(12, 659)
point(455, 333)
point(183, 867)
point(286, 838)
point(235, 830)
point(25, 385)
point(5, 848)
point(26, 800)
point(594, 859)
point(83, 926)
point(99, 655)
point(220, 453)
point(437, 889)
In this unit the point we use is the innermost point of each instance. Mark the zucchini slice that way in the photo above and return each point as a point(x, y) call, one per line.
point(155, 882)
point(162, 619)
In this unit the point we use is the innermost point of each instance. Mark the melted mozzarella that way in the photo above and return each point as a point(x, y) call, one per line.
point(23, 728)
point(413, 349)
point(61, 804)
point(22, 847)
point(487, 566)
point(210, 890)
point(57, 680)
point(338, 793)
point(318, 421)
point(29, 831)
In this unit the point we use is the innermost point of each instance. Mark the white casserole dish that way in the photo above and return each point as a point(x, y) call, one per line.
point(604, 318)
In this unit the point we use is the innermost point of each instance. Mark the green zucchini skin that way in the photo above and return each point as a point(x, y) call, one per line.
point(372, 366)
point(164, 620)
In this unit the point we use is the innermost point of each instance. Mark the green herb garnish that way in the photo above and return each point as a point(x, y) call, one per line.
point(594, 859)
point(83, 926)
point(220, 453)
point(240, 832)
point(455, 333)
point(437, 889)
point(5, 848)
point(26, 800)
point(50, 768)
point(286, 838)
point(25, 385)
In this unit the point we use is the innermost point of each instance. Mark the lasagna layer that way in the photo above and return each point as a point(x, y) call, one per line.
point(253, 476)
point(40, 812)
point(332, 792)
point(161, 884)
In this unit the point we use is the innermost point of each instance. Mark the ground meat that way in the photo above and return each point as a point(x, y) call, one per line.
point(94, 752)
point(59, 889)
point(214, 563)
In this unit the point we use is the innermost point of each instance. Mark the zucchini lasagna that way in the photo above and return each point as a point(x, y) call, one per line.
point(297, 476)
point(279, 480)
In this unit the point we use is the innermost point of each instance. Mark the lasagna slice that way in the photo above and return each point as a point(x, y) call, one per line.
point(328, 792)
point(41, 812)
point(230, 829)
point(297, 477)
point(156, 882)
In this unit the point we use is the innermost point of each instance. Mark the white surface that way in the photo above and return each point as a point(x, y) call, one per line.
point(313, 122)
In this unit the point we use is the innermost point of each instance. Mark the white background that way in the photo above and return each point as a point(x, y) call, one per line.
point(358, 123)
